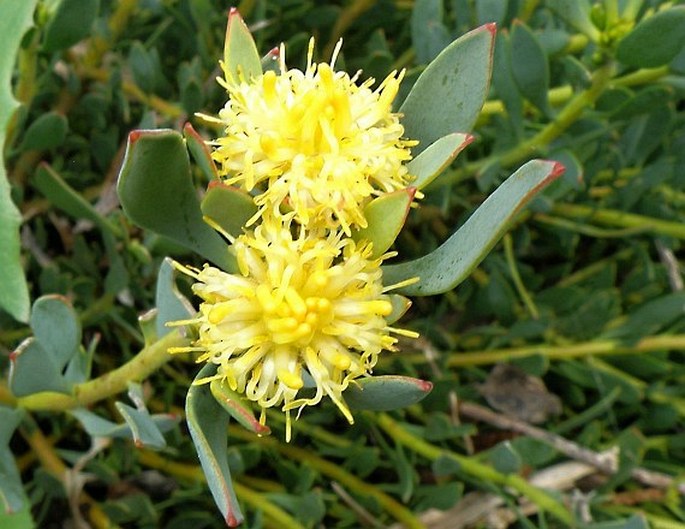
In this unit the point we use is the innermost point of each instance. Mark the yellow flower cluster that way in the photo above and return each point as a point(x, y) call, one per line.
point(306, 314)
point(313, 142)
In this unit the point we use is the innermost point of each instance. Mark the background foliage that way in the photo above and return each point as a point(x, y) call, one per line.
point(585, 292)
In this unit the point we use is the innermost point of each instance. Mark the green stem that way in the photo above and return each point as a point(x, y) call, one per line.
point(590, 231)
point(516, 278)
point(612, 217)
point(558, 352)
point(566, 117)
point(337, 473)
point(146, 362)
point(244, 493)
point(476, 469)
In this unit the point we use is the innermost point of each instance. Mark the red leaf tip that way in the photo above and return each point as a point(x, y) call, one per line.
point(233, 11)
point(491, 27)
point(425, 386)
point(134, 136)
point(231, 520)
point(557, 170)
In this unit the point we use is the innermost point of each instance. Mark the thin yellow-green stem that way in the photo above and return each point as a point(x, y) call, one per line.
point(244, 493)
point(585, 229)
point(474, 468)
point(611, 217)
point(337, 473)
point(527, 148)
point(146, 362)
point(516, 278)
point(558, 352)
point(53, 465)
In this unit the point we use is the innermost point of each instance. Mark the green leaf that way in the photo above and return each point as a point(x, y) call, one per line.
point(400, 305)
point(62, 195)
point(96, 426)
point(200, 152)
point(385, 217)
point(577, 14)
point(452, 262)
point(491, 11)
point(460, 75)
point(504, 83)
point(70, 23)
point(171, 304)
point(143, 429)
point(12, 493)
point(228, 206)
point(208, 425)
point(428, 32)
point(20, 519)
point(655, 40)
point(33, 369)
point(47, 132)
point(436, 157)
point(157, 193)
point(241, 59)
point(529, 66)
point(505, 458)
point(14, 292)
point(57, 327)
point(235, 406)
point(384, 393)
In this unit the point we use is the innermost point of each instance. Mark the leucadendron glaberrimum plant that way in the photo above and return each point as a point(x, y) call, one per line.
point(311, 178)
point(311, 175)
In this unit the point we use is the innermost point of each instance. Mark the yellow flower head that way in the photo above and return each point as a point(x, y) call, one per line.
point(313, 142)
point(304, 311)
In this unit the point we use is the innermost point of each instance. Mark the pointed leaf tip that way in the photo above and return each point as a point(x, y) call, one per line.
point(453, 261)
point(491, 27)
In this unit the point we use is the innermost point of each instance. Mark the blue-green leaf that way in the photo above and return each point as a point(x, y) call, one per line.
point(229, 207)
point(46, 132)
point(12, 494)
point(33, 369)
point(156, 191)
point(433, 160)
point(428, 32)
point(70, 23)
point(384, 393)
point(200, 152)
point(143, 429)
point(57, 327)
point(655, 40)
point(459, 76)
point(171, 304)
point(577, 14)
point(208, 425)
point(529, 66)
point(241, 58)
point(452, 262)
point(60, 194)
point(400, 305)
point(235, 405)
point(97, 426)
point(385, 217)
point(14, 292)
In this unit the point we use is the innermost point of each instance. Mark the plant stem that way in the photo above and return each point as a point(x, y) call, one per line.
point(337, 473)
point(566, 117)
point(612, 217)
point(146, 362)
point(558, 352)
point(516, 278)
point(54, 466)
point(194, 473)
point(476, 469)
